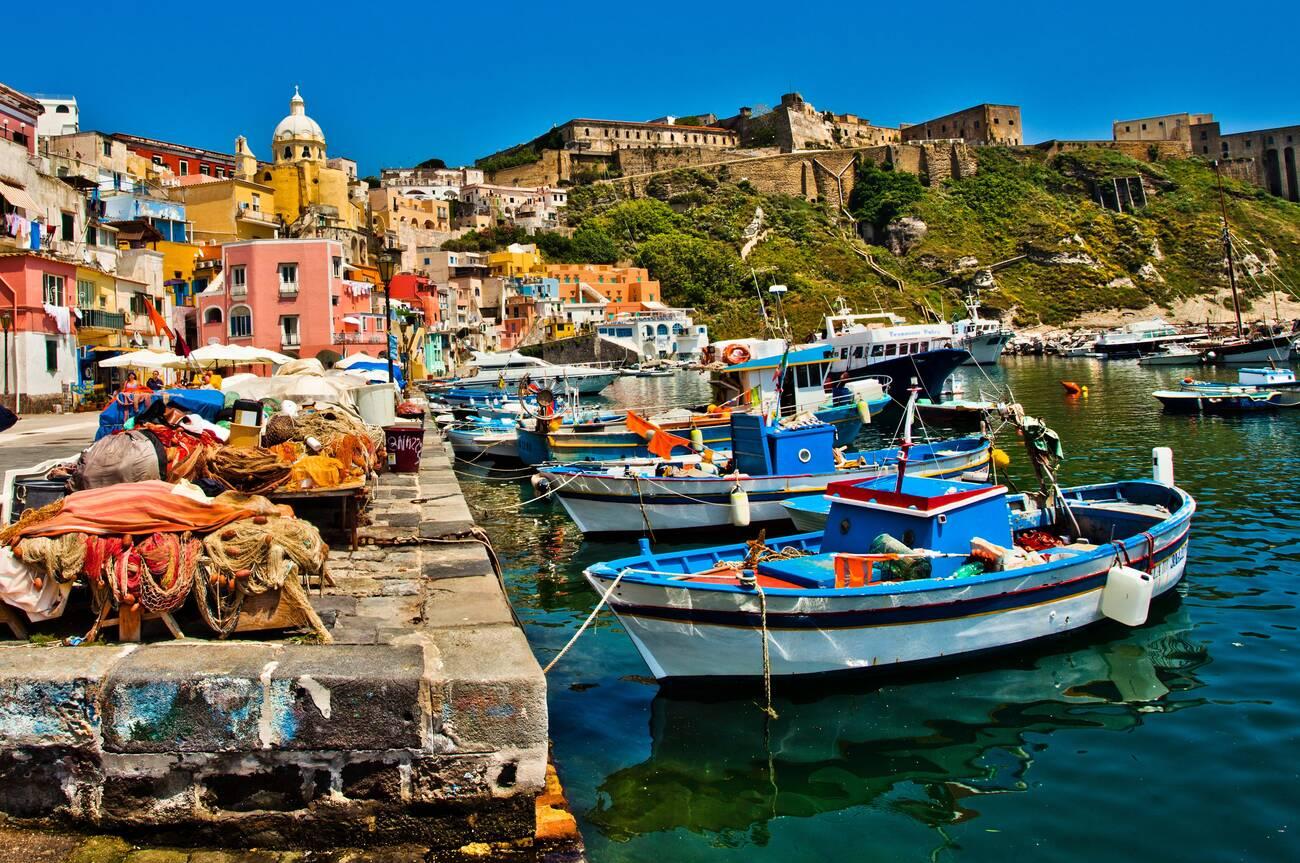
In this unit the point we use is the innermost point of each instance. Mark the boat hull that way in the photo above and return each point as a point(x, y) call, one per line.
point(1194, 402)
point(929, 371)
point(684, 633)
point(599, 503)
point(1276, 350)
point(473, 444)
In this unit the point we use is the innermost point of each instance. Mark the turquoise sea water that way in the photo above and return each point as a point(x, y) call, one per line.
point(1179, 740)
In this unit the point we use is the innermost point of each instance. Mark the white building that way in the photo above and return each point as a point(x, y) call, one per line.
point(60, 117)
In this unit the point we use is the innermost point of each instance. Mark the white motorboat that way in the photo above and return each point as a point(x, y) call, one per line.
point(1141, 338)
point(983, 338)
point(505, 370)
point(1173, 355)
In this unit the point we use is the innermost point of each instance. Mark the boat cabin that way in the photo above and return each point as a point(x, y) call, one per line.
point(1265, 377)
point(804, 386)
point(764, 449)
point(925, 513)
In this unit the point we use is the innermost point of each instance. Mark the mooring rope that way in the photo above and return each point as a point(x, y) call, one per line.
point(586, 623)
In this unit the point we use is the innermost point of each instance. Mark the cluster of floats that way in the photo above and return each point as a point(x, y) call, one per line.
point(907, 554)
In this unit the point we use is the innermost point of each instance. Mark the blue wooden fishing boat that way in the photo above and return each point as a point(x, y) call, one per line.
point(909, 570)
point(802, 389)
point(769, 464)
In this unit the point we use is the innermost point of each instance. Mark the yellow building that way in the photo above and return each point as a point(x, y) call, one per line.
point(301, 182)
point(101, 323)
point(230, 209)
point(516, 261)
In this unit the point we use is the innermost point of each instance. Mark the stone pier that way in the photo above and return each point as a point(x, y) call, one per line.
point(425, 722)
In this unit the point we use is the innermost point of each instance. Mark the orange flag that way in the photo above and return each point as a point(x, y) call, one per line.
point(661, 443)
point(160, 327)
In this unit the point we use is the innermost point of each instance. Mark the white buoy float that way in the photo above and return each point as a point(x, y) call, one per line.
point(1127, 595)
point(739, 507)
point(1162, 465)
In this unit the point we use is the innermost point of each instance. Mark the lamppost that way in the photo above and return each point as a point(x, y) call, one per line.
point(5, 323)
point(389, 261)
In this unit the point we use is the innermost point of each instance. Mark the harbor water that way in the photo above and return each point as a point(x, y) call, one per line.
point(1173, 741)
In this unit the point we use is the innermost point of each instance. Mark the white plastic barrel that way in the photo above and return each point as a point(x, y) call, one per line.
point(377, 404)
point(1127, 595)
point(1162, 465)
point(739, 507)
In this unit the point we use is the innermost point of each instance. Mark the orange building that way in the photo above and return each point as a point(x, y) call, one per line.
point(625, 289)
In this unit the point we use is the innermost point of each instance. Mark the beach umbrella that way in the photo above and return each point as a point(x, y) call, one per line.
point(142, 360)
point(210, 356)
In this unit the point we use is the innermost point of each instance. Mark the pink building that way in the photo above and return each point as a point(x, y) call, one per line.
point(290, 296)
point(37, 294)
point(18, 114)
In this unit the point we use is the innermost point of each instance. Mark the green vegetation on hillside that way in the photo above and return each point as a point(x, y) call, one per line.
point(1071, 255)
point(521, 154)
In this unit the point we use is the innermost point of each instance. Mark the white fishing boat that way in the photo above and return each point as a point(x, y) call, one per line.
point(1172, 355)
point(911, 570)
point(983, 338)
point(495, 439)
point(503, 371)
point(769, 465)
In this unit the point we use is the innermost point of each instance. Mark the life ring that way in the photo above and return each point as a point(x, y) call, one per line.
point(733, 354)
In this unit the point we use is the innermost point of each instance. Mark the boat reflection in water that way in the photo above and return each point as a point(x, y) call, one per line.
point(722, 767)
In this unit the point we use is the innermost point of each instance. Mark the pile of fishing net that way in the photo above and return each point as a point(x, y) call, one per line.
point(151, 545)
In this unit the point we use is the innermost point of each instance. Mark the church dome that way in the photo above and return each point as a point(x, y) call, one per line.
point(298, 136)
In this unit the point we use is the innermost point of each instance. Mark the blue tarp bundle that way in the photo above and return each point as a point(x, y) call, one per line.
point(205, 403)
point(380, 366)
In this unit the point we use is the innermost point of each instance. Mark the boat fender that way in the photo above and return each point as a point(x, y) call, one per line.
point(739, 507)
point(864, 411)
point(1162, 465)
point(697, 439)
point(540, 483)
point(1085, 390)
point(1000, 459)
point(1127, 595)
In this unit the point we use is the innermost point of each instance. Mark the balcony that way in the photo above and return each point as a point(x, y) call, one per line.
point(358, 338)
point(290, 340)
point(100, 320)
point(288, 289)
point(262, 217)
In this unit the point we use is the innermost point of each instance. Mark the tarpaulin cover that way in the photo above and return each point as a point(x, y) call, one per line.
point(205, 403)
point(661, 443)
point(135, 508)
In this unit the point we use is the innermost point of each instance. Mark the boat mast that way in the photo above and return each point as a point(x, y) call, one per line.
point(907, 438)
point(1227, 247)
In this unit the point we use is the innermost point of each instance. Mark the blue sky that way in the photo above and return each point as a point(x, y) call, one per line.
point(395, 83)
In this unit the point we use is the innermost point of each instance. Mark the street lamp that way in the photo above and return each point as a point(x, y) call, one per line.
point(389, 261)
point(5, 323)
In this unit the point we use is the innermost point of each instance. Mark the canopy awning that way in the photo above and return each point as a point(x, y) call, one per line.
point(20, 199)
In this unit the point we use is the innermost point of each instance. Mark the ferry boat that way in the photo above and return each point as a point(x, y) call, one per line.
point(878, 345)
point(503, 371)
point(910, 570)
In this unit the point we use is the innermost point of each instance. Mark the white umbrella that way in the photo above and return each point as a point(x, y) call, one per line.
point(233, 355)
point(142, 360)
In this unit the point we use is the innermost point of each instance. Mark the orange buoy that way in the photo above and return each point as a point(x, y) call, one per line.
point(1071, 388)
point(733, 354)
